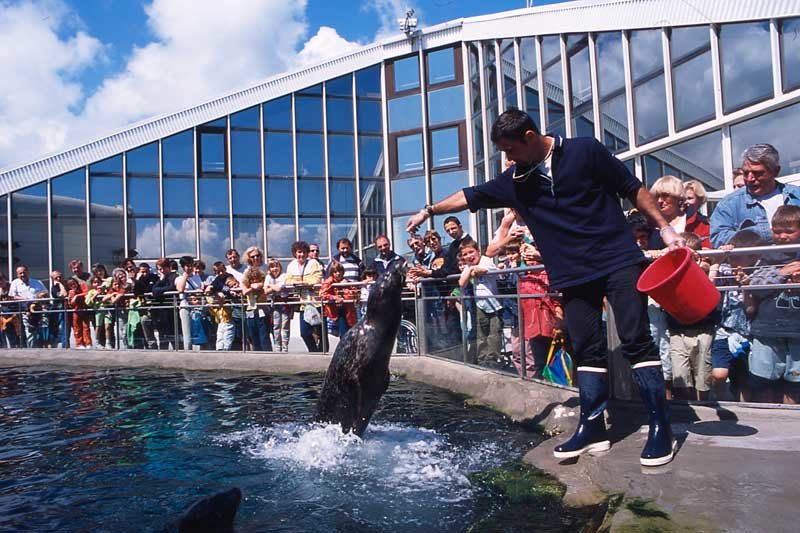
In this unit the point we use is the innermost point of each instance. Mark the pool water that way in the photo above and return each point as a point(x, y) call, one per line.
point(130, 450)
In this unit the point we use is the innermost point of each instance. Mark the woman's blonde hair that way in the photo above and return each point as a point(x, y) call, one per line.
point(251, 250)
point(668, 185)
point(699, 190)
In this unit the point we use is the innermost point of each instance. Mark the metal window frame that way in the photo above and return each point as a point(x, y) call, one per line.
point(359, 245)
point(263, 157)
point(325, 166)
point(88, 196)
point(294, 170)
point(161, 196)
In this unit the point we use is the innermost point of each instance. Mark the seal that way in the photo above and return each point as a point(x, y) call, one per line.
point(358, 374)
point(212, 514)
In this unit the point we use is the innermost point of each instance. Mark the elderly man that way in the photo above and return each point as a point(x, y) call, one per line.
point(754, 204)
point(386, 258)
point(26, 288)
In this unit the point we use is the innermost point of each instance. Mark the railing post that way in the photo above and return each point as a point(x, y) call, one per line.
point(175, 322)
point(419, 311)
point(464, 333)
point(521, 342)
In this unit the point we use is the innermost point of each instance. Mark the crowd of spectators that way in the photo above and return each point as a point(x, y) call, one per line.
point(746, 349)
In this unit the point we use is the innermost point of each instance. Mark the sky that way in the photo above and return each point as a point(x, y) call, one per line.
point(77, 70)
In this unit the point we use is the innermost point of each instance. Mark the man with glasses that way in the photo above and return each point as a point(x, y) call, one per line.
point(753, 205)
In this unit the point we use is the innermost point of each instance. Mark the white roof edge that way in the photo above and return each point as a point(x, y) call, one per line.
point(585, 15)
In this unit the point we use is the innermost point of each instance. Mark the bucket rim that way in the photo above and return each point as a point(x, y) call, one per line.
point(687, 256)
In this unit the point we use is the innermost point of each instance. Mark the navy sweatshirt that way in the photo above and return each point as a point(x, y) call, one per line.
point(576, 218)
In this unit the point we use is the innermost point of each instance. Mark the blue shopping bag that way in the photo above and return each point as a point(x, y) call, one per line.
point(558, 368)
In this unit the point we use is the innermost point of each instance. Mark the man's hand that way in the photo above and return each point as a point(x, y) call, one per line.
point(671, 238)
point(415, 221)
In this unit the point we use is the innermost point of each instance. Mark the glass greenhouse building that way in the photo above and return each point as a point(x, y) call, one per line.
point(352, 146)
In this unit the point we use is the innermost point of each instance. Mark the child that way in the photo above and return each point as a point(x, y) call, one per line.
point(339, 313)
point(223, 312)
point(731, 346)
point(281, 313)
point(38, 321)
point(690, 344)
point(80, 318)
point(507, 285)
point(775, 319)
point(369, 278)
point(103, 318)
point(488, 323)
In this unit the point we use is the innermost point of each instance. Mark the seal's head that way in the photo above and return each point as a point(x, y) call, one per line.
point(386, 292)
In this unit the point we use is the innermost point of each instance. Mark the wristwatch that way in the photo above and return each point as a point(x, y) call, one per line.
point(428, 209)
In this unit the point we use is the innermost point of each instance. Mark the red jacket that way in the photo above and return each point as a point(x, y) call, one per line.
point(698, 224)
point(328, 294)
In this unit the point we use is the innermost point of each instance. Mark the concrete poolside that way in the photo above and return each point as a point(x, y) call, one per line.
point(735, 470)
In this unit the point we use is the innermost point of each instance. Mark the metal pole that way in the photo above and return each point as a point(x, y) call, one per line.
point(521, 334)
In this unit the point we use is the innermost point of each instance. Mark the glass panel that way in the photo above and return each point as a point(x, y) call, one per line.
point(341, 155)
point(373, 215)
point(409, 153)
point(527, 50)
point(311, 196)
point(611, 90)
point(746, 68)
point(143, 160)
point(212, 152)
point(179, 196)
point(315, 230)
point(308, 110)
point(313, 90)
point(368, 82)
point(790, 53)
point(771, 128)
point(280, 196)
point(369, 116)
point(699, 159)
point(107, 223)
point(406, 194)
point(219, 123)
point(278, 152)
point(143, 196)
point(246, 119)
point(446, 183)
point(341, 86)
point(652, 170)
point(247, 232)
point(405, 113)
point(580, 85)
point(446, 105)
point(245, 153)
point(280, 236)
point(179, 237)
point(474, 78)
point(441, 66)
point(554, 84)
point(692, 79)
point(177, 152)
point(69, 219)
point(340, 114)
point(509, 73)
point(477, 138)
point(343, 197)
point(406, 74)
point(278, 114)
point(344, 228)
point(490, 73)
point(214, 239)
point(310, 155)
point(246, 196)
point(649, 92)
point(370, 155)
point(445, 147)
point(4, 235)
point(212, 196)
point(145, 239)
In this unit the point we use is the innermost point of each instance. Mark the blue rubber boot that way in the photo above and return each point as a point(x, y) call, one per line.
point(660, 447)
point(591, 434)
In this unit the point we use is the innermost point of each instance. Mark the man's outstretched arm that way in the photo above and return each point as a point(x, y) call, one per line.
point(452, 204)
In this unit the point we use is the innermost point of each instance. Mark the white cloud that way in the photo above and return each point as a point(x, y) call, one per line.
point(200, 50)
point(388, 11)
point(326, 43)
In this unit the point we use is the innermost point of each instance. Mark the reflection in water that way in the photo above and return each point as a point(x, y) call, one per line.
point(136, 446)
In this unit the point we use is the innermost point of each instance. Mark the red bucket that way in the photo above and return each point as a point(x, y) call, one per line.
point(681, 287)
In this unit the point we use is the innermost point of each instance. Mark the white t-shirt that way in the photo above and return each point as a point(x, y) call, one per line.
point(486, 286)
point(771, 202)
point(237, 273)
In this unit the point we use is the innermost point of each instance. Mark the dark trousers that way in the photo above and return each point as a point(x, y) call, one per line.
point(307, 333)
point(258, 331)
point(583, 313)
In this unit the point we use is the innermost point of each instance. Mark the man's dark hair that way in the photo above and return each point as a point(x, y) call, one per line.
point(344, 240)
point(173, 265)
point(451, 218)
point(637, 221)
point(228, 252)
point(512, 125)
point(187, 261)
